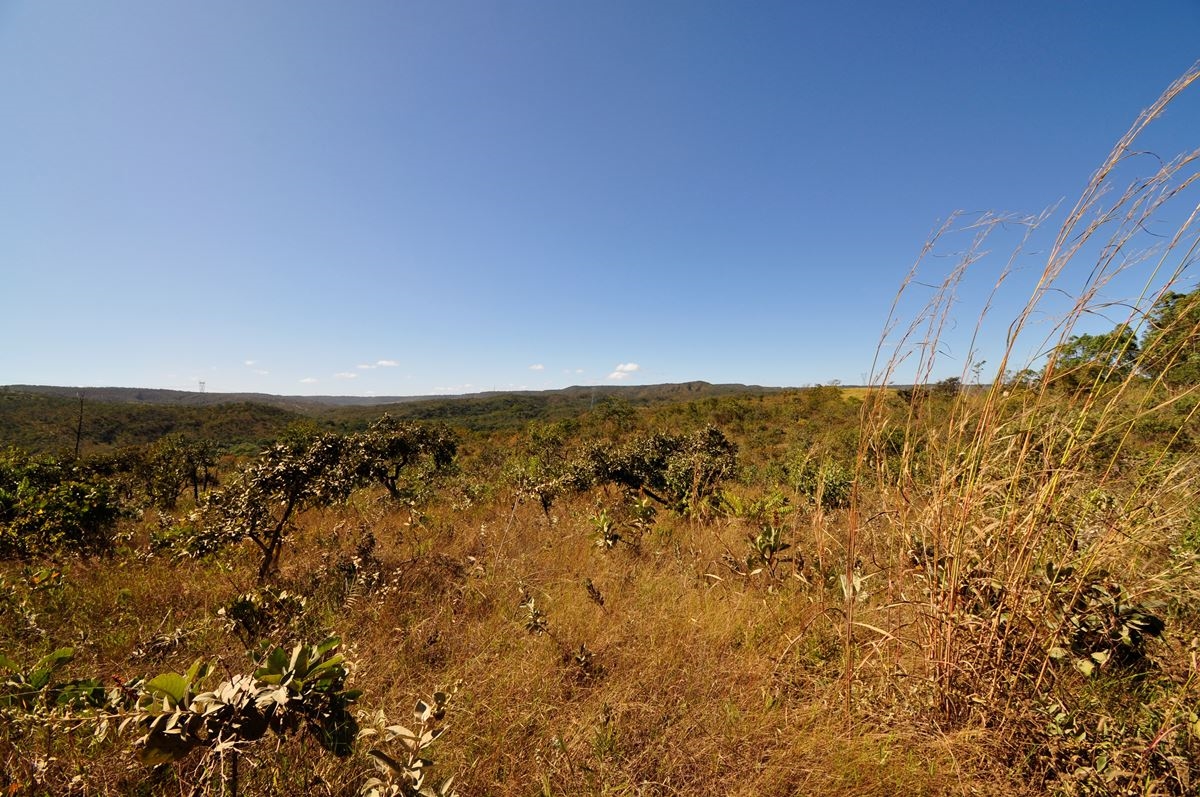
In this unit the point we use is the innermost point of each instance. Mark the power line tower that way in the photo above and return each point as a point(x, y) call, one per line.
point(201, 385)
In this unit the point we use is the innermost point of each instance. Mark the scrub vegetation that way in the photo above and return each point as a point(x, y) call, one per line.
point(964, 586)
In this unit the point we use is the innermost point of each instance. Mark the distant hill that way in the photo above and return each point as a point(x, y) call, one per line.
point(187, 398)
point(47, 418)
point(636, 394)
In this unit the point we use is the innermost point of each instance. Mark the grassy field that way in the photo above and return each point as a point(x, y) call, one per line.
point(988, 589)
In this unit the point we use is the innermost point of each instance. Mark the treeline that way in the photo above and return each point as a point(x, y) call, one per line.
point(55, 425)
point(1164, 349)
point(44, 420)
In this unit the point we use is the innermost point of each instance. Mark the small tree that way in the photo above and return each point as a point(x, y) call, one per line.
point(676, 471)
point(174, 464)
point(264, 496)
point(391, 448)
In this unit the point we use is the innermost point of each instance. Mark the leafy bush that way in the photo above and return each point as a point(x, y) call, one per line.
point(1097, 625)
point(391, 449)
point(262, 612)
point(304, 689)
point(309, 470)
point(827, 483)
point(47, 506)
point(681, 472)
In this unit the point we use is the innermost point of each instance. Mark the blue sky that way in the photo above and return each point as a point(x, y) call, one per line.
point(397, 198)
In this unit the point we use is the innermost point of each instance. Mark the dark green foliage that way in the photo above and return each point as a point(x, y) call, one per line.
point(614, 411)
point(1087, 361)
point(680, 472)
point(303, 689)
point(1098, 625)
point(1093, 744)
point(1171, 345)
point(315, 678)
point(263, 496)
point(677, 471)
point(47, 505)
point(48, 423)
point(262, 612)
point(173, 464)
point(945, 389)
point(390, 449)
point(540, 466)
point(827, 483)
point(312, 469)
point(30, 689)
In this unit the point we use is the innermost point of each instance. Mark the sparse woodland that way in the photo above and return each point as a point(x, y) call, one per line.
point(969, 586)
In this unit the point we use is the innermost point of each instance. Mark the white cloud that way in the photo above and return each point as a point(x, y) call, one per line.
point(387, 363)
point(623, 370)
point(309, 380)
point(345, 375)
point(261, 371)
point(250, 363)
point(365, 367)
point(537, 367)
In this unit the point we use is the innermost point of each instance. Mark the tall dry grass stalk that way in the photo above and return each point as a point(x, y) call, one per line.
point(960, 518)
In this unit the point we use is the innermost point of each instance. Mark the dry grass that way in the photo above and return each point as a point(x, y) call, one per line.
point(976, 502)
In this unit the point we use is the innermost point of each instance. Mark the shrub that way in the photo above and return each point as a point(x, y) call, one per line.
point(46, 506)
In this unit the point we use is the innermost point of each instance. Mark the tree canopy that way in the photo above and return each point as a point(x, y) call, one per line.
point(1171, 345)
point(1091, 360)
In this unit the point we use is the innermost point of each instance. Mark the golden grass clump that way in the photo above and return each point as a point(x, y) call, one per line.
point(1036, 521)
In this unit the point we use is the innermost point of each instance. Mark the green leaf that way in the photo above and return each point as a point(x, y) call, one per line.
point(278, 660)
point(164, 748)
point(198, 671)
point(171, 684)
point(325, 665)
point(46, 667)
point(57, 658)
point(299, 662)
